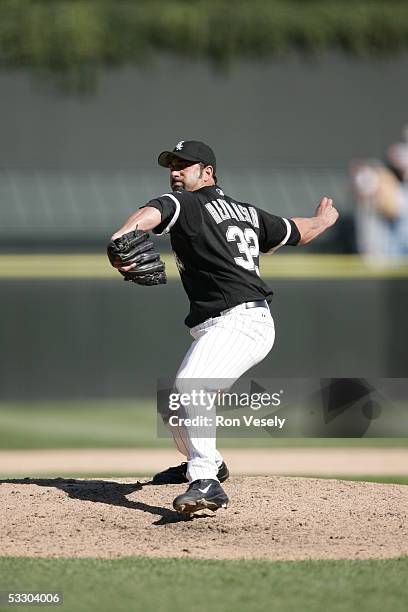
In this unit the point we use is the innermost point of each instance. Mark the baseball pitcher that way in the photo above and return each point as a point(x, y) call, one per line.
point(216, 242)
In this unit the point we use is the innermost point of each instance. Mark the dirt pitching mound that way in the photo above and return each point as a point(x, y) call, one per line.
point(268, 518)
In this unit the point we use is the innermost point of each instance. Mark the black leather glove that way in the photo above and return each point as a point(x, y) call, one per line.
point(136, 248)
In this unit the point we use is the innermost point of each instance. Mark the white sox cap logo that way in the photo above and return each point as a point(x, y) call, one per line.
point(179, 145)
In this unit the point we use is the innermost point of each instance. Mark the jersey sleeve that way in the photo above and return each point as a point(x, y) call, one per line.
point(174, 207)
point(168, 206)
point(275, 232)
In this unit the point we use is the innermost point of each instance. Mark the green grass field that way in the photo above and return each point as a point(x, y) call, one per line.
point(220, 586)
point(125, 424)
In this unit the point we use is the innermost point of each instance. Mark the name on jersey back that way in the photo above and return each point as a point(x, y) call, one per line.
point(221, 210)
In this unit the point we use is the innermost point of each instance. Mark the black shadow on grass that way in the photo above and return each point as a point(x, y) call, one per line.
point(105, 492)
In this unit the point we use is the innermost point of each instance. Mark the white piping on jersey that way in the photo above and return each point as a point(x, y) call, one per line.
point(286, 238)
point(175, 216)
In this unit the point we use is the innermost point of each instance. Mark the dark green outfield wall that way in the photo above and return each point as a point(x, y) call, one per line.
point(73, 339)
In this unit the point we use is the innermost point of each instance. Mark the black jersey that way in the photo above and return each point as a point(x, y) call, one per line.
point(216, 241)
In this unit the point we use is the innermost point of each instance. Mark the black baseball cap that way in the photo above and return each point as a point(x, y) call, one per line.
point(190, 150)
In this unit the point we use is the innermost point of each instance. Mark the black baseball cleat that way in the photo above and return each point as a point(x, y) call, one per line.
point(178, 474)
point(201, 494)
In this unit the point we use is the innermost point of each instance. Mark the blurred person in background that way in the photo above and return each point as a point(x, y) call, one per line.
point(381, 216)
point(398, 164)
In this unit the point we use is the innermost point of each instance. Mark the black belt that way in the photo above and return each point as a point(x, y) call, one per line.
point(254, 304)
point(257, 304)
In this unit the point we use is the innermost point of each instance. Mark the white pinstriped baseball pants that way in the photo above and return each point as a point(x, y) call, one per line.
point(224, 347)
